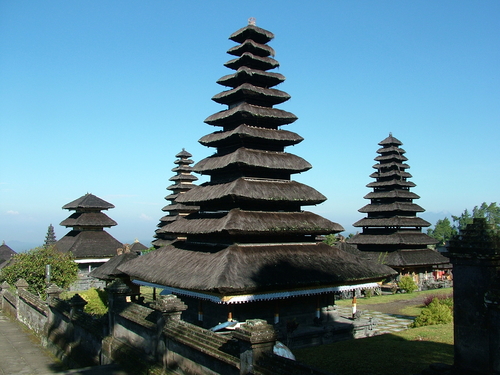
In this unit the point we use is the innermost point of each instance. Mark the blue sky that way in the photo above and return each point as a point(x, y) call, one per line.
point(99, 96)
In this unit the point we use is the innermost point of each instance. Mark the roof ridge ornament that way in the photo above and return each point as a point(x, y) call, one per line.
point(252, 21)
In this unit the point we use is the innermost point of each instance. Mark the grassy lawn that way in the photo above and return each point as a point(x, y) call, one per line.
point(393, 297)
point(404, 352)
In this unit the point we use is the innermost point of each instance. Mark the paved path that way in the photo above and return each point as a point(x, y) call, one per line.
point(21, 354)
point(385, 323)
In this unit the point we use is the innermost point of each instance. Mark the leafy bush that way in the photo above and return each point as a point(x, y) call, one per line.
point(437, 312)
point(30, 266)
point(445, 298)
point(407, 284)
point(97, 301)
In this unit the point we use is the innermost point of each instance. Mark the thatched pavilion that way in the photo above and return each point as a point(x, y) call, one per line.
point(392, 232)
point(251, 251)
point(182, 182)
point(90, 244)
point(5, 252)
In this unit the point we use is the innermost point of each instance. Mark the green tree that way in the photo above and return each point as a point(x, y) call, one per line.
point(30, 266)
point(442, 231)
point(490, 212)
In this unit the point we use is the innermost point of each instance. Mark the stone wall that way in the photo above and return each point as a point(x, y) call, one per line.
point(144, 339)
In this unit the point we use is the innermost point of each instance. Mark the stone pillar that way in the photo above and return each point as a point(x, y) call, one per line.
point(171, 307)
point(53, 291)
point(5, 285)
point(77, 304)
point(475, 254)
point(21, 285)
point(117, 298)
point(256, 337)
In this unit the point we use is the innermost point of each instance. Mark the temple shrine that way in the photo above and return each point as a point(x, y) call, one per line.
point(251, 251)
point(392, 232)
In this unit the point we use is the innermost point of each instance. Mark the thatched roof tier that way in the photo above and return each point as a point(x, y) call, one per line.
point(253, 76)
point(89, 219)
point(258, 190)
point(393, 221)
point(184, 161)
point(168, 219)
point(137, 247)
point(242, 132)
point(240, 222)
point(185, 177)
point(5, 252)
point(253, 95)
point(394, 165)
point(255, 159)
point(180, 208)
point(391, 149)
point(89, 244)
point(253, 62)
point(252, 32)
point(182, 186)
point(396, 206)
point(393, 182)
point(252, 47)
point(390, 156)
point(183, 156)
point(393, 172)
point(253, 268)
point(183, 168)
point(399, 238)
point(396, 193)
point(390, 141)
point(109, 270)
point(88, 201)
point(410, 258)
point(252, 115)
point(160, 242)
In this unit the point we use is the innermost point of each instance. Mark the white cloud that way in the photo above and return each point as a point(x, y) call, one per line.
point(11, 212)
point(145, 217)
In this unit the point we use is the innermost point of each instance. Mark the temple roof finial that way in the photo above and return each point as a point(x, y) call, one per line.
point(252, 21)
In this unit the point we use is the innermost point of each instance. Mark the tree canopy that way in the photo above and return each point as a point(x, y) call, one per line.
point(30, 266)
point(444, 230)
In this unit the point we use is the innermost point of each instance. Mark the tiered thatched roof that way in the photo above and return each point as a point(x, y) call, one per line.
point(87, 239)
point(250, 233)
point(5, 252)
point(392, 224)
point(183, 182)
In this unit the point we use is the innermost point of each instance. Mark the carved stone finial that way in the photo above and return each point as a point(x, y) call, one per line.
point(169, 304)
point(21, 284)
point(256, 331)
point(252, 21)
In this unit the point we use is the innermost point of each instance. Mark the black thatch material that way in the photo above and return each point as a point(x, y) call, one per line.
point(180, 208)
point(243, 132)
point(5, 252)
point(184, 177)
point(253, 76)
point(393, 221)
point(89, 244)
point(109, 270)
point(392, 194)
point(88, 219)
point(237, 222)
point(252, 32)
point(392, 225)
point(137, 247)
point(253, 62)
point(182, 186)
point(255, 189)
point(88, 201)
point(252, 268)
point(253, 158)
point(183, 155)
point(252, 115)
point(397, 238)
point(253, 95)
point(417, 257)
point(252, 47)
point(389, 207)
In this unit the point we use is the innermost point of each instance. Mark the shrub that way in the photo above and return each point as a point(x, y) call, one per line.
point(437, 312)
point(368, 293)
point(441, 297)
point(407, 284)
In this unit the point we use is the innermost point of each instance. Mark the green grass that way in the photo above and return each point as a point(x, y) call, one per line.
point(393, 297)
point(405, 352)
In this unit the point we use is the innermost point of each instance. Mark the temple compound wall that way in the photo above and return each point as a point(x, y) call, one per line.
point(144, 339)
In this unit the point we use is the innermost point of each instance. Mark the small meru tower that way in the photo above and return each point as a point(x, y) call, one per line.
point(392, 232)
point(251, 251)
